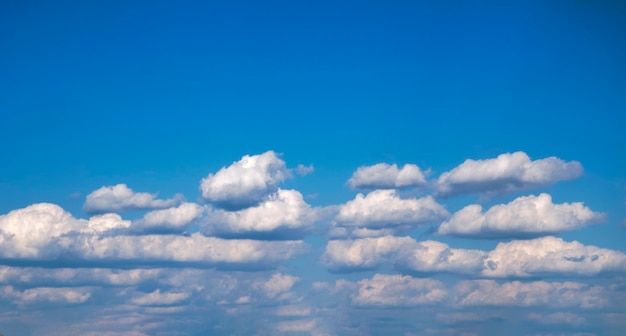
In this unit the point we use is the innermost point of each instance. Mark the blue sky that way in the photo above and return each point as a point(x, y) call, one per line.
point(300, 168)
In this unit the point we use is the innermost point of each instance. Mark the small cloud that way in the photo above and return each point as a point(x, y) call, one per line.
point(121, 198)
point(303, 170)
point(386, 176)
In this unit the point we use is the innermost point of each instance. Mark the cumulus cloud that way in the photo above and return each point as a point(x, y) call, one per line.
point(386, 176)
point(38, 276)
point(384, 208)
point(525, 216)
point(31, 232)
point(246, 182)
point(526, 294)
point(47, 232)
point(172, 218)
point(398, 290)
point(551, 256)
point(521, 258)
point(402, 252)
point(284, 210)
point(507, 173)
point(121, 198)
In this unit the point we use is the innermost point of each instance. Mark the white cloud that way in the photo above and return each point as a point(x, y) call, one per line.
point(177, 217)
point(157, 298)
point(59, 295)
point(386, 176)
point(527, 215)
point(121, 198)
point(507, 173)
point(246, 182)
point(278, 283)
point(304, 170)
point(285, 209)
point(402, 252)
point(32, 231)
point(398, 290)
point(76, 276)
point(46, 232)
point(537, 293)
point(384, 208)
point(551, 256)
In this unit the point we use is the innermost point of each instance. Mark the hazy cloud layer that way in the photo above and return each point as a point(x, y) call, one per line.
point(537, 293)
point(507, 173)
point(120, 197)
point(386, 176)
point(525, 216)
point(246, 182)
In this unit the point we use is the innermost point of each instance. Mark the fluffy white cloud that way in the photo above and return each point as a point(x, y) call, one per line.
point(402, 252)
point(384, 208)
point(398, 290)
point(537, 293)
point(246, 182)
point(177, 217)
point(285, 209)
point(551, 256)
point(527, 215)
point(506, 173)
point(31, 232)
point(121, 198)
point(47, 232)
point(386, 176)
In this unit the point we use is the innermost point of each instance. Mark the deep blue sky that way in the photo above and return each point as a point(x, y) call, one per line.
point(158, 94)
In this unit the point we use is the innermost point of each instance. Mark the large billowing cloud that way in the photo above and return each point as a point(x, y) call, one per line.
point(246, 182)
point(525, 216)
point(386, 176)
point(507, 173)
point(401, 252)
point(284, 210)
point(47, 232)
point(537, 293)
point(121, 198)
point(384, 208)
point(551, 256)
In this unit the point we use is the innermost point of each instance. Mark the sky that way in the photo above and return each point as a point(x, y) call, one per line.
point(312, 168)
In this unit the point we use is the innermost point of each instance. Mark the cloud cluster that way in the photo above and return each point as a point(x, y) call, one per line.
point(386, 176)
point(519, 258)
point(46, 232)
point(507, 173)
point(121, 198)
point(246, 182)
point(398, 290)
point(525, 216)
